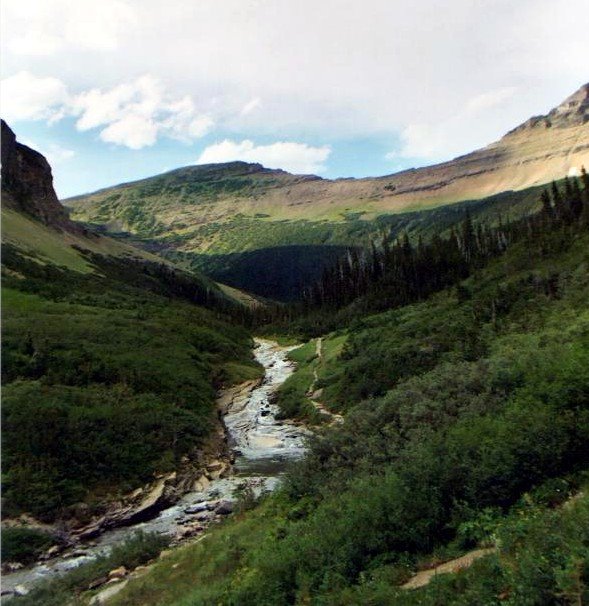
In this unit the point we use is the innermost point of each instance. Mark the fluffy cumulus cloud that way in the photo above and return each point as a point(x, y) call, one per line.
point(25, 97)
point(132, 114)
point(136, 113)
point(294, 157)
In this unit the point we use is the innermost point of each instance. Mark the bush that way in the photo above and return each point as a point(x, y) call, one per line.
point(138, 550)
point(24, 545)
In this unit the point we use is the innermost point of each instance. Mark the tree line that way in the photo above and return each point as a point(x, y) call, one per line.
point(397, 272)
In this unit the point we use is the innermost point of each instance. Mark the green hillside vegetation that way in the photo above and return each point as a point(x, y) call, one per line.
point(196, 217)
point(139, 549)
point(292, 394)
point(466, 424)
point(110, 366)
point(398, 271)
point(293, 397)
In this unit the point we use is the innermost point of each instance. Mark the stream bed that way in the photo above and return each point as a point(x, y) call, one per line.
point(262, 445)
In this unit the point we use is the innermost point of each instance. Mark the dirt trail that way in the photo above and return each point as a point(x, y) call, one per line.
point(313, 393)
point(425, 576)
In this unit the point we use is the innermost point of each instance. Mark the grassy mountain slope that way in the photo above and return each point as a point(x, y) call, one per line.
point(208, 216)
point(111, 356)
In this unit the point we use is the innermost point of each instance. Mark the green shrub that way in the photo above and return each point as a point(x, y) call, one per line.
point(24, 545)
point(139, 549)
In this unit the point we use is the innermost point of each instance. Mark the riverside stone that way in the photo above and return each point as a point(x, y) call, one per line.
point(118, 573)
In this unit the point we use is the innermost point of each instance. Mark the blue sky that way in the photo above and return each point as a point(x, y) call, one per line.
point(124, 89)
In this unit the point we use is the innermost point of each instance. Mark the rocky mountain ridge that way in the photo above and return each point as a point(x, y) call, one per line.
point(27, 184)
point(574, 110)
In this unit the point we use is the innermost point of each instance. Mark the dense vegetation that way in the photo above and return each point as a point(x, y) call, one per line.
point(467, 423)
point(108, 376)
point(24, 545)
point(399, 272)
point(280, 273)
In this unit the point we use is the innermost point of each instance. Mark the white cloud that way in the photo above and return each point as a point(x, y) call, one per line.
point(336, 69)
point(133, 114)
point(26, 97)
point(298, 158)
point(184, 123)
point(133, 131)
point(457, 133)
point(136, 113)
point(96, 107)
point(45, 27)
point(419, 141)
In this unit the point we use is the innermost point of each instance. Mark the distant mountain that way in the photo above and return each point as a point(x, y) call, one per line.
point(201, 214)
point(539, 150)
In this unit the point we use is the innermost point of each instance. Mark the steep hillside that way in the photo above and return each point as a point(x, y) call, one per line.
point(111, 358)
point(204, 215)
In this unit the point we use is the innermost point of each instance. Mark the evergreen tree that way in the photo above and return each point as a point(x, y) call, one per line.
point(559, 203)
point(547, 212)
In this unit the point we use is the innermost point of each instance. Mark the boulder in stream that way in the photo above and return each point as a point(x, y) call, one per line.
point(198, 507)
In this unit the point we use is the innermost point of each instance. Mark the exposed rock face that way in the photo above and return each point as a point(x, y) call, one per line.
point(27, 183)
point(541, 149)
point(573, 111)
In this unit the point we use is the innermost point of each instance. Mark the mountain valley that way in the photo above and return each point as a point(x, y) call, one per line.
point(434, 353)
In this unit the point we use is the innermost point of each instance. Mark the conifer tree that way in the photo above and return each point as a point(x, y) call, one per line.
point(559, 203)
point(547, 212)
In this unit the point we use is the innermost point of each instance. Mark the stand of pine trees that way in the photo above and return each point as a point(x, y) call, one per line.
point(400, 272)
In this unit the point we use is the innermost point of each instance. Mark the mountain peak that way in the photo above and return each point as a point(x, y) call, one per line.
point(575, 105)
point(573, 111)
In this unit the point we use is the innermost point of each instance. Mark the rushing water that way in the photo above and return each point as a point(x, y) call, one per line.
point(262, 445)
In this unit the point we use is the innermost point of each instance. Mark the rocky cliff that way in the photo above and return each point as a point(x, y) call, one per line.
point(27, 183)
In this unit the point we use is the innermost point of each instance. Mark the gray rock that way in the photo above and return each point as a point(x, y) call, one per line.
point(197, 508)
point(106, 594)
point(224, 508)
point(204, 515)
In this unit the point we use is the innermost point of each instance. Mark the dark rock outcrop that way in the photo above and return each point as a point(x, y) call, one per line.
point(573, 111)
point(27, 184)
